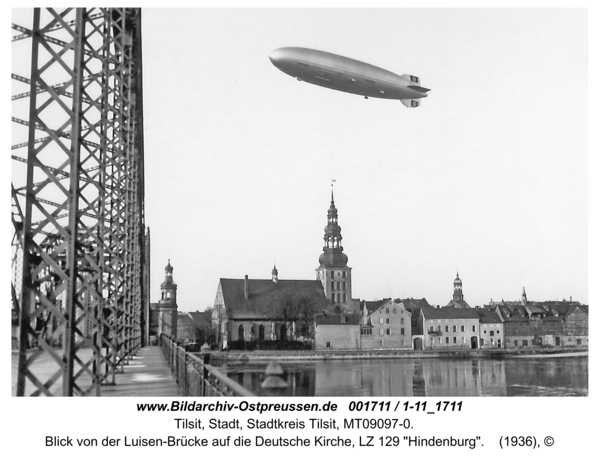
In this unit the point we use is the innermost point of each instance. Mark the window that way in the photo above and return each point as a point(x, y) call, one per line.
point(439, 329)
point(462, 329)
point(328, 344)
point(401, 331)
point(578, 341)
point(446, 328)
point(388, 331)
point(344, 274)
point(439, 340)
point(447, 340)
point(516, 342)
point(380, 320)
point(463, 340)
point(492, 341)
point(454, 339)
point(387, 321)
point(430, 328)
point(453, 328)
point(381, 331)
point(366, 331)
point(387, 310)
point(491, 333)
point(473, 328)
point(525, 343)
point(401, 320)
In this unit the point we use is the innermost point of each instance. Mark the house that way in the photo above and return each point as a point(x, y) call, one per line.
point(186, 329)
point(338, 332)
point(491, 329)
point(386, 324)
point(544, 324)
point(449, 327)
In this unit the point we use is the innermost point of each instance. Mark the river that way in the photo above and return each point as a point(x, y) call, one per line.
point(566, 376)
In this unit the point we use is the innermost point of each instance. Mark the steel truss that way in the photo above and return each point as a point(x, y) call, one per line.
point(79, 287)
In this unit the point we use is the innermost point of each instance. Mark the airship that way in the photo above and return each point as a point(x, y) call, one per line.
point(348, 75)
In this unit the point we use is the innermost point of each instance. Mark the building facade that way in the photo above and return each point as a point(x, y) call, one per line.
point(450, 328)
point(388, 326)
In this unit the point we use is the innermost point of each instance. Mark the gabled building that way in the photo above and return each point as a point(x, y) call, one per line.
point(266, 310)
point(491, 329)
point(386, 325)
point(544, 324)
point(449, 327)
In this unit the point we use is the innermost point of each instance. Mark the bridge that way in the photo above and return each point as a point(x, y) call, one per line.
point(79, 247)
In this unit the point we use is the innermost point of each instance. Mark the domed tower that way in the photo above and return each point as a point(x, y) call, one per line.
point(333, 271)
point(167, 306)
point(458, 294)
point(168, 288)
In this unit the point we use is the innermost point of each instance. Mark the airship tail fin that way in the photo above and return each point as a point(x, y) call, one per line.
point(412, 79)
point(411, 103)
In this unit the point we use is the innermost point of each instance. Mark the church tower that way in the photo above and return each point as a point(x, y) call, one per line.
point(458, 294)
point(167, 306)
point(333, 271)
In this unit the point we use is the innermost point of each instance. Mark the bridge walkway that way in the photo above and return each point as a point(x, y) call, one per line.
point(147, 374)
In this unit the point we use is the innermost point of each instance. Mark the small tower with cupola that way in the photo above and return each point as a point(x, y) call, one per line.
point(167, 306)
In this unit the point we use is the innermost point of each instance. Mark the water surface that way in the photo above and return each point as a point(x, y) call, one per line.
point(424, 377)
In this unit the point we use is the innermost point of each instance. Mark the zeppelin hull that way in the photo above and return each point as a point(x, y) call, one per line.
point(347, 75)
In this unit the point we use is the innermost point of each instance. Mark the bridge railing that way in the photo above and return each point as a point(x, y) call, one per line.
point(195, 376)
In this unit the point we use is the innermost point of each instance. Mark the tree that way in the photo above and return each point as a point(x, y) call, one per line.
point(298, 308)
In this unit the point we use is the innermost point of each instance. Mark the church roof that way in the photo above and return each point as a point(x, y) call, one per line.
point(266, 298)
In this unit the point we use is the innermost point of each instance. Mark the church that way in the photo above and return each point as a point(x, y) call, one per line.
point(250, 313)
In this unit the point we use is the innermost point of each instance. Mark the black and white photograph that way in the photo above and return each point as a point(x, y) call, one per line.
point(302, 203)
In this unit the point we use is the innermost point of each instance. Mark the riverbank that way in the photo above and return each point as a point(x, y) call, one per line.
point(240, 356)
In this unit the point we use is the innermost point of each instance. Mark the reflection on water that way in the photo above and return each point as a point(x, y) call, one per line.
point(426, 377)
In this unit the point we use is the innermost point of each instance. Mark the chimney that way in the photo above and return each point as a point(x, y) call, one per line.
point(246, 287)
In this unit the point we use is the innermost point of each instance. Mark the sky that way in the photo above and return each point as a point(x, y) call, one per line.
point(489, 177)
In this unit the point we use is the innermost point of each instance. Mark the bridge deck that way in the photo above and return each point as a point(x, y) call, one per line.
point(146, 374)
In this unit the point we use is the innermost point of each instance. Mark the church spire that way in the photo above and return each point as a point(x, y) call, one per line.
point(333, 270)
